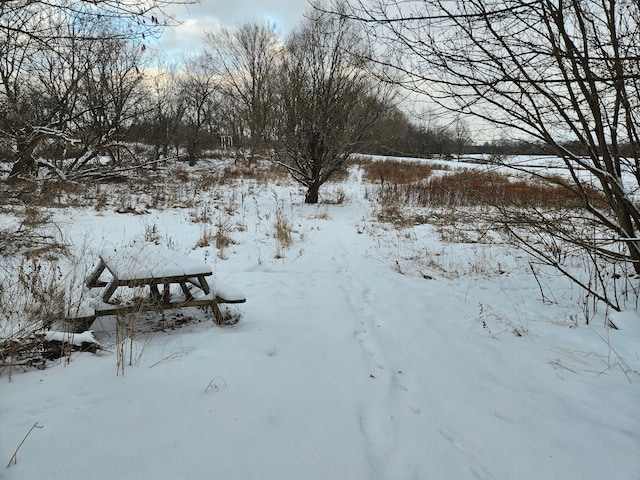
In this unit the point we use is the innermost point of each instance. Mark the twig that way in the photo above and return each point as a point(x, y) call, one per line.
point(14, 457)
point(535, 275)
point(171, 356)
point(212, 383)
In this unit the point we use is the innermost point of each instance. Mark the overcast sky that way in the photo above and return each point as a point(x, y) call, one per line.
point(211, 13)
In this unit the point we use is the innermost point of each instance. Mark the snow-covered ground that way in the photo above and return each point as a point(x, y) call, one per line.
point(364, 351)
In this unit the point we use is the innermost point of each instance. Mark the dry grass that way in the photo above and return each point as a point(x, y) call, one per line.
point(261, 171)
point(50, 193)
point(201, 213)
point(472, 188)
point(336, 196)
point(32, 301)
point(283, 232)
point(406, 183)
point(395, 173)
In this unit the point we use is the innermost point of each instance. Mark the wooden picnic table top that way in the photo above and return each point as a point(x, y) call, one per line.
point(149, 263)
point(153, 265)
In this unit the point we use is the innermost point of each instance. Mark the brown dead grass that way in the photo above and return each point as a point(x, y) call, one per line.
point(395, 172)
point(472, 188)
point(480, 188)
point(262, 171)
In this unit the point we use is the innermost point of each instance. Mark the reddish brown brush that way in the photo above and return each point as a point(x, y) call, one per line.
point(474, 188)
point(396, 172)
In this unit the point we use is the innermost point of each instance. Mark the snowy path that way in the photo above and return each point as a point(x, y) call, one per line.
point(340, 368)
point(432, 392)
point(396, 412)
point(386, 407)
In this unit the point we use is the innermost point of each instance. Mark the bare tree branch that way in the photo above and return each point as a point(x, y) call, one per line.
point(563, 73)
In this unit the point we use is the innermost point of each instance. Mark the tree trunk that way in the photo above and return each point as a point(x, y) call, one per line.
point(193, 151)
point(633, 247)
point(25, 165)
point(312, 193)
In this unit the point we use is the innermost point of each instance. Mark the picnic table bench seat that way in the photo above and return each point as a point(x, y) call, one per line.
point(153, 267)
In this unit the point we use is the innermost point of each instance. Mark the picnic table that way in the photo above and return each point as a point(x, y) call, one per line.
point(157, 270)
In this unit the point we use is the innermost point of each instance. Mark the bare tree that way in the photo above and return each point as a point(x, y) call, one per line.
point(163, 110)
point(198, 90)
point(67, 105)
point(461, 137)
point(39, 92)
point(329, 101)
point(109, 98)
point(38, 20)
point(41, 66)
point(247, 57)
point(564, 73)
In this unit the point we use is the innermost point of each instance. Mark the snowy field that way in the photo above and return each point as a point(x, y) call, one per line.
point(364, 351)
point(548, 166)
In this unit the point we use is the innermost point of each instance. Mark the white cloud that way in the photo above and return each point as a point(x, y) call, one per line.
point(210, 14)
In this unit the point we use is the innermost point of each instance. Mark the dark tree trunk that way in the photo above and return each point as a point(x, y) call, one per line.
point(25, 165)
point(193, 151)
point(312, 193)
point(633, 247)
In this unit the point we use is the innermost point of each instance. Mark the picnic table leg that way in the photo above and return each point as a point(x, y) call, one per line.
point(166, 292)
point(186, 291)
point(81, 325)
point(203, 284)
point(111, 288)
point(217, 314)
point(155, 293)
point(92, 280)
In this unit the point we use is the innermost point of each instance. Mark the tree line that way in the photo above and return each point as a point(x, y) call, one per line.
point(82, 84)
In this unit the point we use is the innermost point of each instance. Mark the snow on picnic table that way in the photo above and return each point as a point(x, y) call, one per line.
point(341, 368)
point(151, 261)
